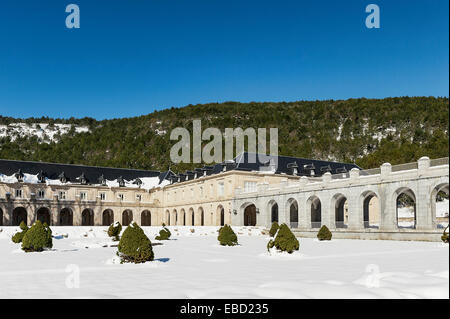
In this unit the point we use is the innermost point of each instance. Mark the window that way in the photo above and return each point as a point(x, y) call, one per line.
point(102, 196)
point(62, 195)
point(138, 197)
point(41, 193)
point(120, 197)
point(221, 189)
point(249, 187)
point(83, 195)
point(19, 193)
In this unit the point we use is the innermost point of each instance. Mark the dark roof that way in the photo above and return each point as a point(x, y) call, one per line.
point(73, 172)
point(257, 162)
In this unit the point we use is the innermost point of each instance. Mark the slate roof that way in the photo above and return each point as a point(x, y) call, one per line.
point(73, 172)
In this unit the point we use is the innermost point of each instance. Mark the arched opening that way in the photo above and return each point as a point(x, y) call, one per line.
point(19, 215)
point(440, 205)
point(1, 217)
point(340, 206)
point(190, 217)
point(250, 215)
point(107, 217)
point(406, 208)
point(293, 213)
point(146, 218)
point(274, 213)
point(200, 217)
point(174, 218)
point(43, 215)
point(371, 210)
point(182, 217)
point(220, 216)
point(315, 211)
point(167, 218)
point(127, 217)
point(66, 217)
point(87, 217)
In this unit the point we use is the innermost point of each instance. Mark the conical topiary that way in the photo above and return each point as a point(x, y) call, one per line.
point(164, 234)
point(227, 237)
point(18, 237)
point(114, 230)
point(324, 233)
point(273, 230)
point(135, 246)
point(284, 241)
point(37, 238)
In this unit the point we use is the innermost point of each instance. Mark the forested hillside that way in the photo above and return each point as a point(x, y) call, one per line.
point(366, 131)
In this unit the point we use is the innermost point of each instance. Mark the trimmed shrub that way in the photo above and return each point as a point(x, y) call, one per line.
point(324, 233)
point(37, 238)
point(444, 236)
point(273, 230)
point(164, 234)
point(114, 230)
point(135, 246)
point(227, 237)
point(18, 237)
point(284, 241)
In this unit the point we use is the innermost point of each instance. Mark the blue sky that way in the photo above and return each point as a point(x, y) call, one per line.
point(133, 57)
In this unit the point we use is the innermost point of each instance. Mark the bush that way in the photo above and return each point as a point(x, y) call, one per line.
point(135, 246)
point(444, 236)
point(324, 233)
point(227, 237)
point(18, 237)
point(114, 231)
point(273, 230)
point(164, 234)
point(37, 238)
point(285, 240)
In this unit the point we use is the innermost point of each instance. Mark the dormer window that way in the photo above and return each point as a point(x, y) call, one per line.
point(19, 175)
point(102, 180)
point(62, 178)
point(121, 181)
point(82, 179)
point(137, 182)
point(41, 177)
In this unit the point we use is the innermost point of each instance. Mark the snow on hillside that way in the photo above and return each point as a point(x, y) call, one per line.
point(193, 265)
point(46, 133)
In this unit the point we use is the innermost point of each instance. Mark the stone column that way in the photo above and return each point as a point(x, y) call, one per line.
point(355, 210)
point(328, 217)
point(424, 218)
point(388, 208)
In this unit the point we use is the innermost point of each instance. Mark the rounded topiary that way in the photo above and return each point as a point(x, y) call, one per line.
point(135, 246)
point(18, 237)
point(164, 234)
point(37, 238)
point(227, 237)
point(444, 236)
point(324, 233)
point(284, 241)
point(273, 230)
point(114, 230)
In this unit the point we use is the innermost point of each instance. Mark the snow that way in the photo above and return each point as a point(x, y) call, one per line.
point(193, 265)
point(42, 131)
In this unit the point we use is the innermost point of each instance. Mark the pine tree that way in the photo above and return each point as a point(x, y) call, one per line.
point(284, 241)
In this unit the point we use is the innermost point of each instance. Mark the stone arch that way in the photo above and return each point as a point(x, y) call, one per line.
point(315, 211)
point(19, 215)
point(405, 207)
point(371, 209)
point(146, 218)
point(292, 206)
point(43, 215)
point(200, 217)
point(173, 218)
point(220, 216)
point(166, 219)
point(272, 207)
point(66, 217)
point(190, 221)
point(87, 217)
point(127, 217)
point(182, 218)
point(107, 217)
point(439, 205)
point(1, 217)
point(339, 205)
point(249, 214)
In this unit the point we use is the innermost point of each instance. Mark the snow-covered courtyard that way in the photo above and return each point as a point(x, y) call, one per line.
point(82, 264)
